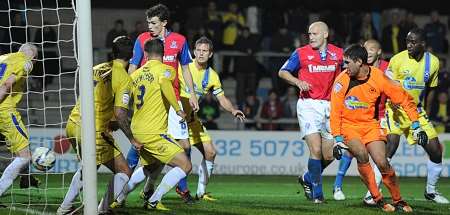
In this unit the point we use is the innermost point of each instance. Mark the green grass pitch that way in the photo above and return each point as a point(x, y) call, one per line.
point(259, 195)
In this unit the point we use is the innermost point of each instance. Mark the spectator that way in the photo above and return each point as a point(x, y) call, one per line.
point(19, 32)
point(408, 23)
point(214, 24)
point(440, 111)
point(290, 103)
point(250, 107)
point(246, 67)
point(48, 64)
point(392, 40)
point(435, 34)
point(272, 109)
point(364, 30)
point(443, 76)
point(118, 30)
point(139, 28)
point(232, 21)
point(209, 111)
point(282, 42)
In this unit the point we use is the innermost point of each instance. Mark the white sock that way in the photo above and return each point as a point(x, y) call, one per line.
point(137, 177)
point(74, 190)
point(11, 172)
point(378, 179)
point(168, 182)
point(204, 173)
point(434, 172)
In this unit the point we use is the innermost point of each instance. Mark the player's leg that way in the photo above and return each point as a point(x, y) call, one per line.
point(132, 158)
point(377, 150)
point(434, 167)
point(116, 186)
point(205, 169)
point(181, 167)
point(179, 131)
point(14, 132)
point(392, 145)
point(152, 173)
point(313, 176)
point(344, 164)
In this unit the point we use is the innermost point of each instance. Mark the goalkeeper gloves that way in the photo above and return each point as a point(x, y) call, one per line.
point(419, 134)
point(338, 147)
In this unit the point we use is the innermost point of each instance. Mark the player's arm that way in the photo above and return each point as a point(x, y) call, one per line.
point(5, 88)
point(169, 94)
point(228, 106)
point(337, 105)
point(399, 96)
point(138, 54)
point(185, 60)
point(290, 66)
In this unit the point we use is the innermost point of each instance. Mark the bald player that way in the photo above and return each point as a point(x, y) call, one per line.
point(14, 69)
point(316, 65)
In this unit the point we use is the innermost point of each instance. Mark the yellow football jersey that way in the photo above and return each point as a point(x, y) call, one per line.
point(17, 64)
point(204, 80)
point(150, 106)
point(111, 88)
point(414, 76)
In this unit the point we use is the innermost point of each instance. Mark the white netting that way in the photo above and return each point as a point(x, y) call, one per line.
point(49, 95)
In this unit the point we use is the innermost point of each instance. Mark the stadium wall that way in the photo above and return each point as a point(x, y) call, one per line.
point(251, 153)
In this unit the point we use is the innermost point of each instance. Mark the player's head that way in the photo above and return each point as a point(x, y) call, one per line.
point(318, 34)
point(29, 50)
point(355, 56)
point(373, 49)
point(203, 50)
point(415, 41)
point(122, 48)
point(154, 49)
point(157, 18)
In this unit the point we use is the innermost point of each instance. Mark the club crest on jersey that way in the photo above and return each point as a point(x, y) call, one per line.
point(337, 87)
point(167, 74)
point(410, 83)
point(310, 57)
point(333, 56)
point(173, 45)
point(353, 103)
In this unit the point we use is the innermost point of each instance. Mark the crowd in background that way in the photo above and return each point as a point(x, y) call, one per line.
point(279, 29)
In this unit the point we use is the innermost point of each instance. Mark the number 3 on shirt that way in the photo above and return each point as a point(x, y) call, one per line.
point(140, 97)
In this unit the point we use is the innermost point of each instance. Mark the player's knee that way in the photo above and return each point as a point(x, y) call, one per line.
point(316, 152)
point(434, 150)
point(383, 165)
point(210, 154)
point(186, 167)
point(362, 157)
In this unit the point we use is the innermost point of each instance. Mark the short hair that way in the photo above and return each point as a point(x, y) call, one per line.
point(161, 11)
point(356, 52)
point(154, 47)
point(119, 21)
point(205, 40)
point(122, 48)
point(420, 33)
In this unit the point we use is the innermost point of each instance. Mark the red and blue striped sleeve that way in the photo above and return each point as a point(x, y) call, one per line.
point(138, 53)
point(292, 65)
point(185, 54)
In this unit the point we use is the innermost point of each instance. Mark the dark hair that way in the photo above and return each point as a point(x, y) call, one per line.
point(420, 33)
point(356, 52)
point(154, 47)
point(205, 40)
point(161, 11)
point(119, 21)
point(122, 48)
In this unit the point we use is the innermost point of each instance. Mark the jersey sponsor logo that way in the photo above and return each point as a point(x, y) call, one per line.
point(337, 87)
point(353, 103)
point(321, 68)
point(170, 58)
point(410, 83)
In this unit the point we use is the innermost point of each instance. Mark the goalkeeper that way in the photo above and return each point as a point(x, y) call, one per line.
point(14, 68)
point(354, 119)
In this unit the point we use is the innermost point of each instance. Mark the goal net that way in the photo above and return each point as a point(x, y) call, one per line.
point(49, 95)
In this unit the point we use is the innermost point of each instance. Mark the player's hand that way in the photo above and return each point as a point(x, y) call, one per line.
point(419, 134)
point(137, 145)
point(194, 102)
point(182, 114)
point(303, 85)
point(338, 147)
point(238, 114)
point(113, 125)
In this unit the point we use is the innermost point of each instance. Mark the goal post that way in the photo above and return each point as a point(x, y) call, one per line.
point(86, 86)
